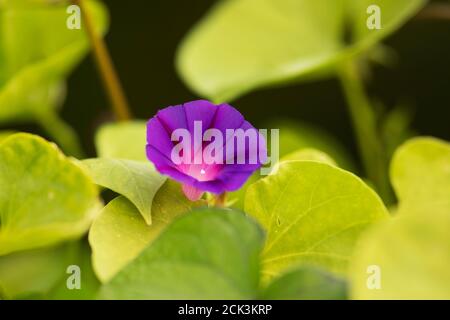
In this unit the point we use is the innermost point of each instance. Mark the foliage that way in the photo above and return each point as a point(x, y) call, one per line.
point(279, 41)
point(310, 230)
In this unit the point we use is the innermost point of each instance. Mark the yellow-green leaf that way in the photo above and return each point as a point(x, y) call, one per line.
point(37, 51)
point(313, 213)
point(137, 181)
point(125, 140)
point(207, 254)
point(306, 283)
point(243, 45)
point(412, 252)
point(44, 197)
point(32, 272)
point(420, 174)
point(309, 154)
point(119, 234)
point(411, 257)
point(296, 136)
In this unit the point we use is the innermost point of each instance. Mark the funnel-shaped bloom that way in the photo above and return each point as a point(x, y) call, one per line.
point(204, 146)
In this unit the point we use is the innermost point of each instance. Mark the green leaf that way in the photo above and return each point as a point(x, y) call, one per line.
point(296, 136)
point(119, 234)
point(313, 213)
point(38, 51)
point(32, 272)
point(5, 134)
point(125, 140)
point(306, 283)
point(412, 251)
point(89, 284)
point(393, 15)
point(420, 174)
point(208, 254)
point(412, 254)
point(137, 181)
point(309, 154)
point(238, 197)
point(243, 45)
point(42, 273)
point(45, 198)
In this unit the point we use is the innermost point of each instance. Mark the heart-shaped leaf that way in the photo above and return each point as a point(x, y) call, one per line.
point(45, 198)
point(137, 181)
point(242, 45)
point(420, 174)
point(408, 258)
point(313, 213)
point(207, 254)
point(237, 198)
point(119, 234)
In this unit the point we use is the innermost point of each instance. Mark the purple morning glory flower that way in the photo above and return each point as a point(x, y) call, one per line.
point(204, 146)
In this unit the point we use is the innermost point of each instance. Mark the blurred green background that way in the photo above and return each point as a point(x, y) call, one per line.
point(143, 39)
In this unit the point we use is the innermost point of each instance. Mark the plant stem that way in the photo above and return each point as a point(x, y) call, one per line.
point(106, 68)
point(365, 126)
point(220, 200)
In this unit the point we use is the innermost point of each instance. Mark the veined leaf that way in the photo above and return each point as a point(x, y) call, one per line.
point(208, 254)
point(238, 197)
point(45, 198)
point(137, 181)
point(313, 213)
point(120, 234)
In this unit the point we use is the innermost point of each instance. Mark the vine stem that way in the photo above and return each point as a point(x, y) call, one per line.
point(220, 200)
point(105, 67)
point(364, 123)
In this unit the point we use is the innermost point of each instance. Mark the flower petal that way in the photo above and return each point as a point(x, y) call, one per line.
point(200, 110)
